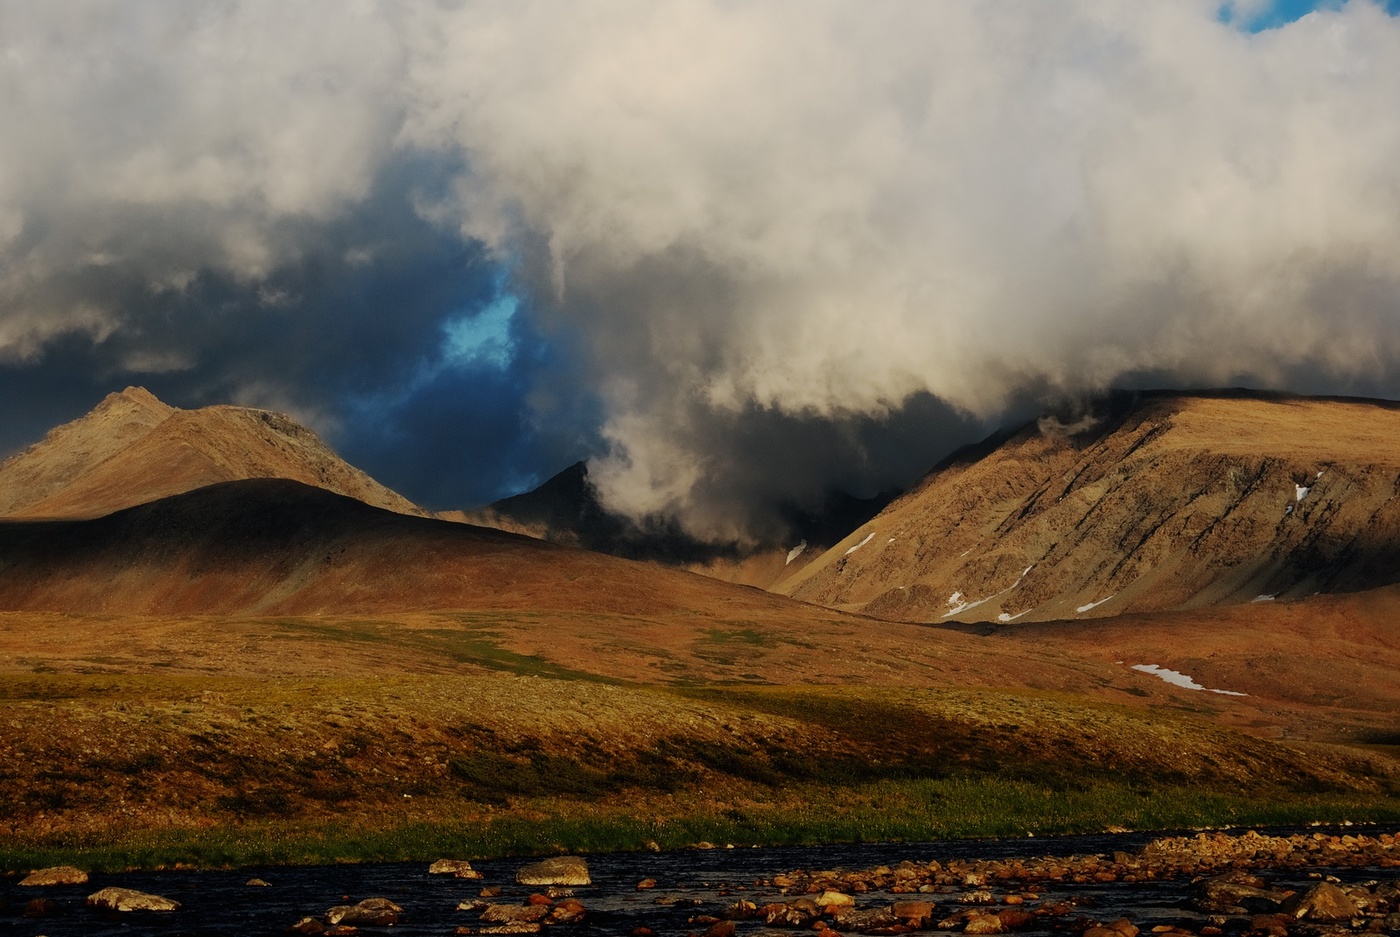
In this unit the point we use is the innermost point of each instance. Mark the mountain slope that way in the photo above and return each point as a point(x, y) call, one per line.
point(1165, 501)
point(132, 449)
point(277, 547)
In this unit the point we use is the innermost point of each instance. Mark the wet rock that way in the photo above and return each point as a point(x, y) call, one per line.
point(862, 921)
point(568, 911)
point(41, 907)
point(979, 923)
point(1271, 925)
point(490, 891)
point(800, 913)
point(740, 911)
point(828, 900)
point(719, 929)
point(539, 899)
point(514, 913)
point(646, 883)
point(913, 912)
point(556, 870)
point(257, 883)
point(980, 896)
point(372, 912)
point(127, 899)
point(1235, 893)
point(307, 925)
point(1323, 903)
point(58, 875)
point(556, 892)
point(1015, 918)
point(341, 930)
point(514, 927)
point(458, 868)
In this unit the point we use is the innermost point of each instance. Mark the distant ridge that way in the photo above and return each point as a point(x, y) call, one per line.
point(566, 509)
point(132, 448)
point(1152, 501)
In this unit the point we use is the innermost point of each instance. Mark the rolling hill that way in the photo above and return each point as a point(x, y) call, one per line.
point(1160, 501)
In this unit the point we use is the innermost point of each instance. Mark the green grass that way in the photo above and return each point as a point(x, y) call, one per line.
point(923, 810)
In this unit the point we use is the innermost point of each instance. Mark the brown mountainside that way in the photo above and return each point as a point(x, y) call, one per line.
point(132, 448)
point(1171, 501)
point(276, 546)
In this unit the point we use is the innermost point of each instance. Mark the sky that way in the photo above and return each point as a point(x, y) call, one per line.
point(735, 253)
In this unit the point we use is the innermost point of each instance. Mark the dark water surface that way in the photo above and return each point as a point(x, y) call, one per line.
point(705, 882)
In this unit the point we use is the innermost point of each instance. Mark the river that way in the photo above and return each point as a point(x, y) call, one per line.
point(689, 883)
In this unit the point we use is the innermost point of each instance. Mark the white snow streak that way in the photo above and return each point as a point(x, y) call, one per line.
point(861, 544)
point(796, 551)
point(1084, 608)
point(1176, 678)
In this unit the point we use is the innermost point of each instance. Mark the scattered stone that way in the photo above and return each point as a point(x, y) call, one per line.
point(459, 868)
point(490, 891)
point(554, 891)
point(58, 875)
point(341, 930)
point(514, 927)
point(556, 870)
point(719, 929)
point(646, 883)
point(980, 896)
point(539, 899)
point(257, 883)
point(307, 925)
point(40, 907)
point(127, 899)
point(372, 912)
point(1324, 902)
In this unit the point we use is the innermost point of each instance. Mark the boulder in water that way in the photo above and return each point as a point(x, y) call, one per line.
point(128, 899)
point(372, 912)
point(58, 875)
point(556, 870)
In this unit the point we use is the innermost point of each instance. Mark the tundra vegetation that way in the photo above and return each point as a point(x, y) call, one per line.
point(122, 770)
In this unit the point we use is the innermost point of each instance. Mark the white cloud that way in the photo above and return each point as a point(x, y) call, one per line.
point(815, 208)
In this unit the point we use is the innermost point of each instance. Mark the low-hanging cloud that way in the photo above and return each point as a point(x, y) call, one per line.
point(785, 244)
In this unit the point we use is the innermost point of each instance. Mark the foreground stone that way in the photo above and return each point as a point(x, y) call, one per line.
point(556, 870)
point(127, 899)
point(1323, 903)
point(372, 912)
point(58, 875)
point(460, 868)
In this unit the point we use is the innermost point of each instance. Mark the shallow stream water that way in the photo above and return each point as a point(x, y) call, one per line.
point(689, 883)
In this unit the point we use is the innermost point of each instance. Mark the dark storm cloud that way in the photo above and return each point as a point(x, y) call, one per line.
point(760, 248)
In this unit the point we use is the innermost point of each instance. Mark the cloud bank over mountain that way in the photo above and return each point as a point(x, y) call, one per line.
point(737, 251)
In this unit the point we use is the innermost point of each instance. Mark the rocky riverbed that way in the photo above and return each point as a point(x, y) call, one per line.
point(1235, 883)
